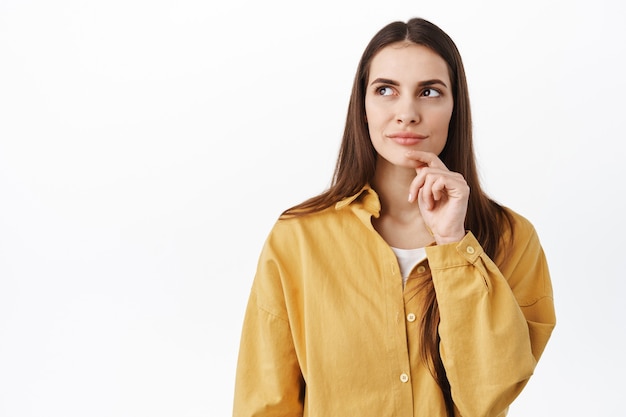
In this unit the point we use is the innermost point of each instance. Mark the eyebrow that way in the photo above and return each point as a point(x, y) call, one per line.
point(421, 83)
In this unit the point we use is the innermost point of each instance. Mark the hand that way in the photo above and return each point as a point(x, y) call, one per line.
point(441, 195)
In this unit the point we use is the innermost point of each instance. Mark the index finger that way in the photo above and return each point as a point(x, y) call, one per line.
point(425, 159)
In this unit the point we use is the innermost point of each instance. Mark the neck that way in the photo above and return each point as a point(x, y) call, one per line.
point(400, 223)
point(392, 186)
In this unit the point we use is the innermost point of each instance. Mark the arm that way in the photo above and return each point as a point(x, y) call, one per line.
point(495, 322)
point(268, 380)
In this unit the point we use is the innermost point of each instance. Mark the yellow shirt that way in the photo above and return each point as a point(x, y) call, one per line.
point(330, 331)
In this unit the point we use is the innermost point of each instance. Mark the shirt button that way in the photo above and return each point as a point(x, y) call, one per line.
point(470, 250)
point(404, 378)
point(421, 269)
point(410, 317)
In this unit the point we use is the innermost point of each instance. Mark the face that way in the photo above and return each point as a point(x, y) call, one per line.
point(408, 102)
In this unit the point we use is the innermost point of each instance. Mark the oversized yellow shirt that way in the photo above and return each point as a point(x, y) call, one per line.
point(330, 331)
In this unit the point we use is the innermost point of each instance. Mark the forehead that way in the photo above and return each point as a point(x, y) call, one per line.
point(406, 61)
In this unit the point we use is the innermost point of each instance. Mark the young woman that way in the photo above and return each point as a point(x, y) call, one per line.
point(403, 290)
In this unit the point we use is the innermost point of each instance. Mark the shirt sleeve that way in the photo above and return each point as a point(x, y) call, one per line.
point(494, 321)
point(268, 378)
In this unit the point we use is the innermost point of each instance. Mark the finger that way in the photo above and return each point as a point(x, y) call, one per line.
point(426, 191)
point(422, 158)
point(417, 184)
point(420, 178)
point(438, 189)
point(425, 199)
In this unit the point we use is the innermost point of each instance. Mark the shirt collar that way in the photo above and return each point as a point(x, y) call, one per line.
point(366, 199)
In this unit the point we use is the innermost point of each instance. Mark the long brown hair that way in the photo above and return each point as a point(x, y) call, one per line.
point(356, 164)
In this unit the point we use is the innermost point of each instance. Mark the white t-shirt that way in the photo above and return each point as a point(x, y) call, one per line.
point(408, 258)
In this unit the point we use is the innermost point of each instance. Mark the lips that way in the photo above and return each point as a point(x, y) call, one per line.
point(406, 138)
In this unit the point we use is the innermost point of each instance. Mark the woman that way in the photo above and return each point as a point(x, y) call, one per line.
point(403, 290)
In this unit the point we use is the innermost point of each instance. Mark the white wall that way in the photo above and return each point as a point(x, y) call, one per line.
point(146, 148)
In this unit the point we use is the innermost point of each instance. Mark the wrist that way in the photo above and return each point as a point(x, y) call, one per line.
point(449, 238)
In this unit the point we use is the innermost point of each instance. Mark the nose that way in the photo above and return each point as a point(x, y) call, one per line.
point(407, 112)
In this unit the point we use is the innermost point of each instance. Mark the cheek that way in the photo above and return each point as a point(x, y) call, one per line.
point(371, 119)
point(442, 119)
point(368, 110)
point(375, 116)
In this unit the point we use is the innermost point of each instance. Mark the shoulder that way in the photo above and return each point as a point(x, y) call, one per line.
point(519, 223)
point(524, 262)
point(521, 237)
point(297, 220)
point(290, 230)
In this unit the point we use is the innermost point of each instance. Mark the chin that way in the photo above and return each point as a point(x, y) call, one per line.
point(396, 162)
point(405, 164)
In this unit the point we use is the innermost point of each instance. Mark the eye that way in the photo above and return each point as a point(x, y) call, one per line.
point(431, 92)
point(384, 91)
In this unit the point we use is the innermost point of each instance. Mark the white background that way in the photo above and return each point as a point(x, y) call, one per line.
point(146, 148)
